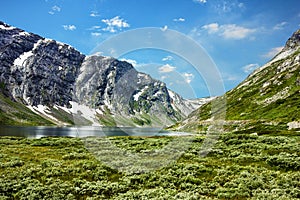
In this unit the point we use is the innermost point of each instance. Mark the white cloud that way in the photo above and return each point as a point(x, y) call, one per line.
point(131, 61)
point(115, 24)
point(166, 68)
point(94, 14)
point(250, 67)
point(168, 58)
point(200, 1)
point(54, 9)
point(69, 27)
point(229, 31)
point(164, 28)
point(179, 19)
point(195, 32)
point(94, 28)
point(279, 26)
point(227, 6)
point(188, 77)
point(272, 52)
point(96, 34)
point(232, 31)
point(211, 28)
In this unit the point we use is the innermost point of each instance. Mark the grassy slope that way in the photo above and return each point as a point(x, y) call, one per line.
point(240, 166)
point(14, 113)
point(251, 104)
point(247, 102)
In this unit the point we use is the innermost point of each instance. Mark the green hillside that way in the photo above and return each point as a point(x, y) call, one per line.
point(14, 113)
point(267, 99)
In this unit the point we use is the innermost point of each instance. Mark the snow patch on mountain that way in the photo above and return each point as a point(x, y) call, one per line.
point(44, 110)
point(19, 61)
point(86, 112)
point(137, 95)
point(7, 27)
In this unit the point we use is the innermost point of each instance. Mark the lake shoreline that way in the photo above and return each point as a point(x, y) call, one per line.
point(86, 131)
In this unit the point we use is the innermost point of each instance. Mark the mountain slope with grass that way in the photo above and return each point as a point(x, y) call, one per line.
point(268, 99)
point(14, 113)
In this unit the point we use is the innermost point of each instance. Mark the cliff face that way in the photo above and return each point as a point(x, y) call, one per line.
point(114, 87)
point(58, 83)
point(35, 70)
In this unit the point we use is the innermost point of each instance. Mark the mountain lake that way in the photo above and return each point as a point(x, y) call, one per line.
point(86, 131)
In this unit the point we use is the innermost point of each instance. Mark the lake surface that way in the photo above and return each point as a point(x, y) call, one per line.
point(42, 131)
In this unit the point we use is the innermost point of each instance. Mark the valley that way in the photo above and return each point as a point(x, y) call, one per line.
point(247, 149)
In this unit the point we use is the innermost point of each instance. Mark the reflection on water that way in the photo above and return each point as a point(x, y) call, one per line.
point(41, 131)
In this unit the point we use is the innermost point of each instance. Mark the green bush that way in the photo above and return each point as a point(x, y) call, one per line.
point(237, 167)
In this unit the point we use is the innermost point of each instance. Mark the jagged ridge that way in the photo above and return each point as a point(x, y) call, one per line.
point(59, 83)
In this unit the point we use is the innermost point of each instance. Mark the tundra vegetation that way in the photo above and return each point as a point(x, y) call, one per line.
point(240, 166)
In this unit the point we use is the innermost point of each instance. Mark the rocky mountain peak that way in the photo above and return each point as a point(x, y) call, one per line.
point(293, 42)
point(57, 82)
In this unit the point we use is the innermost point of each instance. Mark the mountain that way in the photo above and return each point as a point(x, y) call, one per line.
point(268, 99)
point(45, 82)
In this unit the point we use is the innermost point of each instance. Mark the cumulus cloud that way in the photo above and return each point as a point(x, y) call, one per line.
point(228, 31)
point(232, 31)
point(167, 58)
point(94, 14)
point(166, 68)
point(211, 28)
point(188, 77)
point(279, 26)
point(115, 24)
point(179, 19)
point(54, 9)
point(200, 1)
point(272, 52)
point(69, 27)
point(250, 67)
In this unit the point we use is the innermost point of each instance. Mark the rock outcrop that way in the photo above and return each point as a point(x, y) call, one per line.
point(51, 78)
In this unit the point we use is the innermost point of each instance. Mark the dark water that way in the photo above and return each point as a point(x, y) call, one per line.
point(41, 131)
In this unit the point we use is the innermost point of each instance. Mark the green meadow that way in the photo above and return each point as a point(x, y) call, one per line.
point(239, 166)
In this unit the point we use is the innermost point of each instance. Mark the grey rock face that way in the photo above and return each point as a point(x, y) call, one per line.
point(293, 42)
point(38, 71)
point(105, 81)
point(12, 44)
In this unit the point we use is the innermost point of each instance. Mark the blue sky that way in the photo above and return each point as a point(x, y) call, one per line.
point(238, 35)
